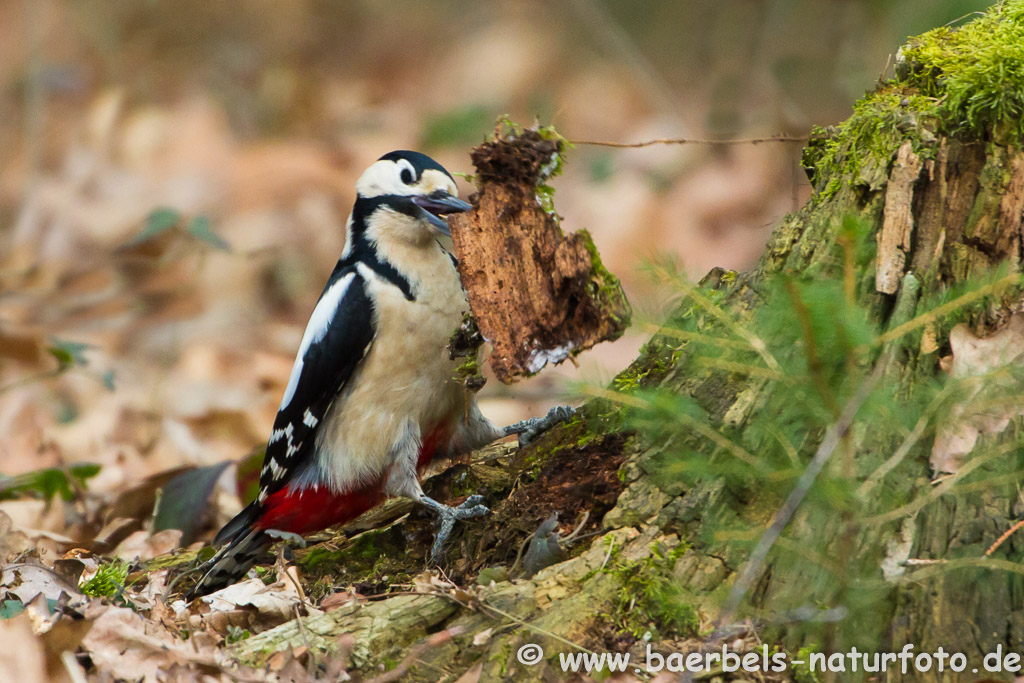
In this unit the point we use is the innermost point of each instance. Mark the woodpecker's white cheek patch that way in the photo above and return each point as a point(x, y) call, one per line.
point(383, 177)
point(316, 328)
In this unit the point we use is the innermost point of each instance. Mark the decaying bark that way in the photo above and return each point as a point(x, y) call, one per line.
point(898, 222)
point(538, 295)
point(379, 627)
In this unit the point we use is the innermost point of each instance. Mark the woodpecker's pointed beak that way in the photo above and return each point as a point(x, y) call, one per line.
point(438, 204)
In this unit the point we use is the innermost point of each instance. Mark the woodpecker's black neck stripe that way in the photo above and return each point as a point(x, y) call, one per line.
point(362, 251)
point(365, 206)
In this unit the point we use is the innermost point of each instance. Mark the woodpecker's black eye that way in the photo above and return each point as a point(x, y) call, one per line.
point(406, 176)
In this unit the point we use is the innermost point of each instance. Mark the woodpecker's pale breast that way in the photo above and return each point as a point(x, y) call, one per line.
point(407, 374)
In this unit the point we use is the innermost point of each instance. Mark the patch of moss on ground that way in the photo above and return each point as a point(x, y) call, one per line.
point(373, 561)
point(108, 581)
point(650, 599)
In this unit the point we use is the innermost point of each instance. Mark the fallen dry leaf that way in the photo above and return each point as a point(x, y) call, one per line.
point(275, 603)
point(22, 657)
point(340, 599)
point(122, 644)
point(143, 546)
point(62, 630)
point(25, 581)
point(430, 582)
point(12, 541)
point(974, 357)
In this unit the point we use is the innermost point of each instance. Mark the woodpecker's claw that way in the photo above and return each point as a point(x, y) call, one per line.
point(530, 429)
point(447, 515)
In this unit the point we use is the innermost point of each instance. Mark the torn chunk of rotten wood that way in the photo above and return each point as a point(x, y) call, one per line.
point(898, 220)
point(539, 296)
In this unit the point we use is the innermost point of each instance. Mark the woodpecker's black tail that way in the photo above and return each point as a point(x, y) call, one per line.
point(234, 560)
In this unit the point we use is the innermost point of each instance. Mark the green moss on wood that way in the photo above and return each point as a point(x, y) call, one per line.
point(860, 149)
point(962, 82)
point(973, 73)
point(604, 286)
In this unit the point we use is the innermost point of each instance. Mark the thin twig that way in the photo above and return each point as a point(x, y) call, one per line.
point(828, 445)
point(415, 652)
point(519, 555)
point(1001, 539)
point(532, 627)
point(34, 377)
point(158, 497)
point(695, 141)
point(282, 567)
point(938, 568)
point(579, 527)
point(75, 671)
point(305, 638)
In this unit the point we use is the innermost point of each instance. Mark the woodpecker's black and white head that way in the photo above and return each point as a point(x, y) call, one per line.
point(408, 194)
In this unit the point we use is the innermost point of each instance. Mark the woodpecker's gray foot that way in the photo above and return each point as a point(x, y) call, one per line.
point(447, 515)
point(528, 430)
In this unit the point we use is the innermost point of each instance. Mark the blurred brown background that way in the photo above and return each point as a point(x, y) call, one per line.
point(260, 115)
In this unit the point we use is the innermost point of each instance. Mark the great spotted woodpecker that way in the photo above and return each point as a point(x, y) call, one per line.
point(371, 399)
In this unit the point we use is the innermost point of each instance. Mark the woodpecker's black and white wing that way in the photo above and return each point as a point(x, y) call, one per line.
point(337, 337)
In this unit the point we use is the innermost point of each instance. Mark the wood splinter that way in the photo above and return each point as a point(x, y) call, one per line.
point(538, 295)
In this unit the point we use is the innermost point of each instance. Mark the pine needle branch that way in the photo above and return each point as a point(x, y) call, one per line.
point(755, 342)
point(755, 564)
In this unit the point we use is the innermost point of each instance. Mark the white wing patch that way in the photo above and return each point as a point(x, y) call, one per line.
point(277, 470)
point(309, 419)
point(316, 328)
point(288, 430)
